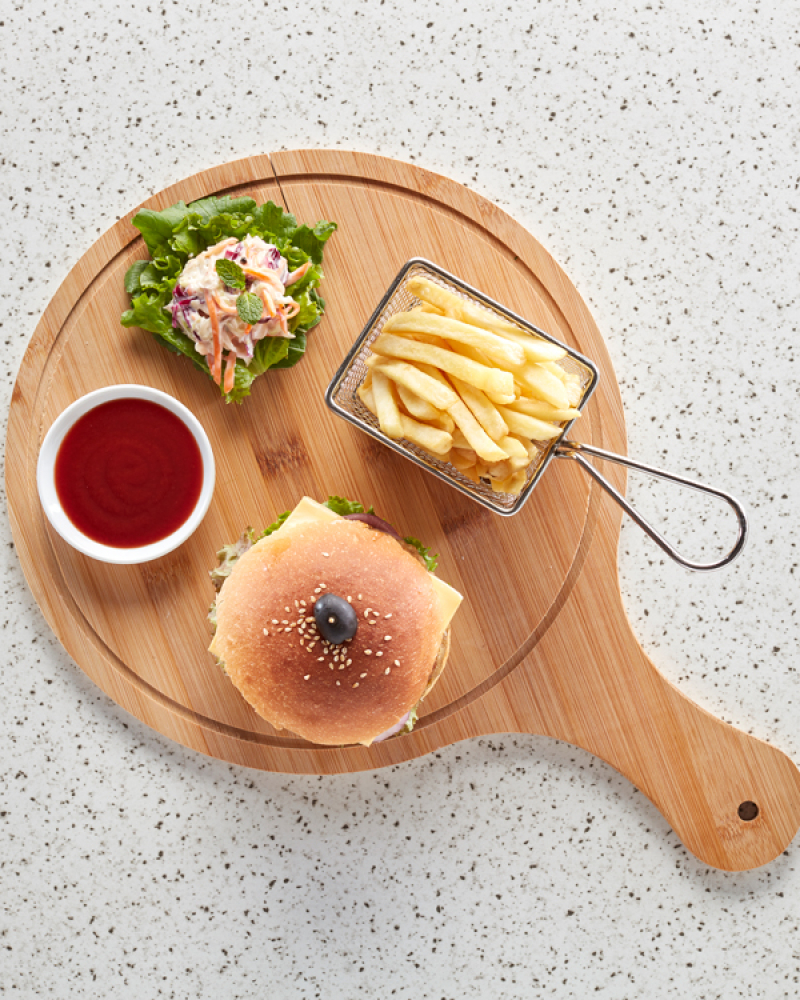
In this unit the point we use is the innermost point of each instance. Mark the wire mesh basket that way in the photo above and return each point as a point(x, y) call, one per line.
point(342, 393)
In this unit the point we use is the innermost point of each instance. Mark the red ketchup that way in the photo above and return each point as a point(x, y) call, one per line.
point(128, 473)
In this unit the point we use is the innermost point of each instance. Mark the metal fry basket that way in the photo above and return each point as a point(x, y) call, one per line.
point(342, 397)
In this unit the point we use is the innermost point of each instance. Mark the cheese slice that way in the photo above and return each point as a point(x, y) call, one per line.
point(308, 511)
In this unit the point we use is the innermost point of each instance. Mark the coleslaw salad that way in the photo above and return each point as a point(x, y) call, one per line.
point(230, 284)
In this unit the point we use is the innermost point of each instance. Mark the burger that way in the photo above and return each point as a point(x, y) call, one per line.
point(332, 625)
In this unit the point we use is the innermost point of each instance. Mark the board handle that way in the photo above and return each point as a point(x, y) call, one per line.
point(732, 799)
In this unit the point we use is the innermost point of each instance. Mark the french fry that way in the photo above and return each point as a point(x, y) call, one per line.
point(513, 484)
point(415, 405)
point(483, 409)
point(530, 427)
point(444, 421)
point(554, 369)
point(433, 391)
point(459, 441)
point(572, 384)
point(459, 461)
point(367, 398)
point(427, 437)
point(535, 348)
point(388, 412)
point(502, 470)
point(544, 411)
point(518, 457)
point(499, 350)
point(478, 439)
point(430, 438)
point(544, 385)
point(497, 384)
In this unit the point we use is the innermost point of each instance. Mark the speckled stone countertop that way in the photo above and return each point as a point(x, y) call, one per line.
point(653, 148)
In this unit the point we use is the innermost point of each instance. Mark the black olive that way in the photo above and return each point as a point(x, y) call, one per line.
point(335, 617)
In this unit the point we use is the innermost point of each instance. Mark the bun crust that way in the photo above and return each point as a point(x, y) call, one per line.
point(350, 693)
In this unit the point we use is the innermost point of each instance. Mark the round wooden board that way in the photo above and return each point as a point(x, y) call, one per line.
point(523, 657)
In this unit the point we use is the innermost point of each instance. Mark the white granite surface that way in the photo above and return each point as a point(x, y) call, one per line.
point(653, 148)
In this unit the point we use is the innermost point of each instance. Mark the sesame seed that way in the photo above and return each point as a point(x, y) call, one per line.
point(389, 615)
point(330, 665)
point(348, 663)
point(316, 590)
point(379, 653)
point(387, 638)
point(285, 620)
point(306, 677)
point(362, 676)
point(359, 597)
point(265, 631)
point(297, 604)
point(285, 609)
point(342, 666)
point(356, 684)
point(302, 604)
point(331, 620)
point(367, 652)
point(324, 585)
point(337, 684)
point(372, 623)
point(388, 670)
point(320, 659)
point(366, 613)
point(274, 621)
point(310, 618)
point(397, 663)
point(349, 599)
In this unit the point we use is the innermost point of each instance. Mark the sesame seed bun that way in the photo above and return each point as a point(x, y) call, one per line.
point(331, 694)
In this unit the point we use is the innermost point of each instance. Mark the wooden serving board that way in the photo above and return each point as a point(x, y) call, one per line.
point(541, 644)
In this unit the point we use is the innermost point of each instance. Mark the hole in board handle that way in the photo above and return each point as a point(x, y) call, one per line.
point(748, 811)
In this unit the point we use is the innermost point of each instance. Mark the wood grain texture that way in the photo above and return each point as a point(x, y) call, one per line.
point(542, 643)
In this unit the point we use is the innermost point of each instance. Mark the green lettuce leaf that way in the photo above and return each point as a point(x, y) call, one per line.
point(182, 231)
point(430, 561)
point(341, 506)
point(275, 524)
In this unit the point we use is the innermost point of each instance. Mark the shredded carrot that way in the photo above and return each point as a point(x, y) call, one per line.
point(230, 371)
point(216, 364)
point(269, 305)
point(268, 276)
point(283, 323)
point(292, 309)
point(298, 274)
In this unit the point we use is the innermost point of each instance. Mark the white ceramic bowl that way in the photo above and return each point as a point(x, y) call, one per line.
point(45, 476)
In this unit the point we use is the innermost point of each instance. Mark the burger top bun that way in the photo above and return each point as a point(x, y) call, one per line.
point(273, 652)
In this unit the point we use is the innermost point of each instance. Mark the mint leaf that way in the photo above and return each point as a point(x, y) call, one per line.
point(249, 306)
point(429, 560)
point(231, 274)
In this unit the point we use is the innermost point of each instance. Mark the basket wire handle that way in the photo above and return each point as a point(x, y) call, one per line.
point(576, 450)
